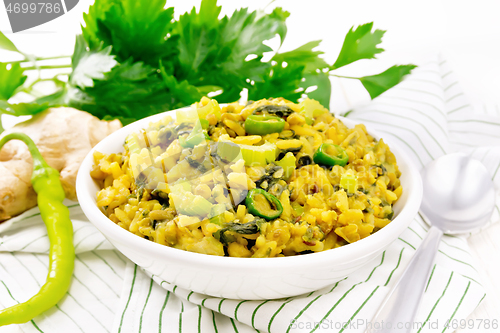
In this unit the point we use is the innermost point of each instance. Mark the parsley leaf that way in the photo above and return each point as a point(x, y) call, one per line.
point(249, 39)
point(209, 54)
point(134, 59)
point(323, 87)
point(280, 81)
point(215, 52)
point(197, 38)
point(280, 16)
point(293, 73)
point(186, 93)
point(127, 91)
point(130, 90)
point(377, 84)
point(305, 56)
point(136, 29)
point(360, 43)
point(11, 77)
point(225, 237)
point(95, 31)
point(32, 108)
point(133, 90)
point(7, 44)
point(90, 65)
point(22, 109)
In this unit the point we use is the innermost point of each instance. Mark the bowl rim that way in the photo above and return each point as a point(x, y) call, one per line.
point(353, 251)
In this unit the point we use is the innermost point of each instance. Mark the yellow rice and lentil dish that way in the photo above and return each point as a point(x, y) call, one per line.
point(270, 178)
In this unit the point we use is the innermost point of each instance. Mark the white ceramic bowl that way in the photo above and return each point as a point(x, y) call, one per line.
point(247, 278)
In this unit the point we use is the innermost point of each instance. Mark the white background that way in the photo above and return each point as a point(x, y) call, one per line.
point(466, 33)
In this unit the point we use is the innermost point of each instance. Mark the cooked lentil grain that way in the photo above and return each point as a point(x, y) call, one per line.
point(175, 186)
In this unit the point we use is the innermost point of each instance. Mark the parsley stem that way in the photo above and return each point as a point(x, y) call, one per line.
point(46, 67)
point(55, 79)
point(269, 4)
point(345, 77)
point(38, 59)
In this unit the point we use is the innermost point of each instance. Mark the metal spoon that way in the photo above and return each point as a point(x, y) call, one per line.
point(458, 198)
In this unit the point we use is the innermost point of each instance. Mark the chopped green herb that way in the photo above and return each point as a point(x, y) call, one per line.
point(249, 228)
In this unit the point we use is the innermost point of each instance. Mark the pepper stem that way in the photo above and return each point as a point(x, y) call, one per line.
point(38, 160)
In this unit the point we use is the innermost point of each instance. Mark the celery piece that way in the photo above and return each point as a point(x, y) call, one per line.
point(288, 165)
point(217, 210)
point(204, 123)
point(259, 155)
point(229, 151)
point(197, 135)
point(193, 117)
point(197, 205)
point(297, 208)
point(219, 219)
point(186, 116)
point(181, 187)
point(311, 109)
point(193, 139)
point(188, 203)
point(349, 181)
point(155, 175)
point(133, 144)
point(212, 107)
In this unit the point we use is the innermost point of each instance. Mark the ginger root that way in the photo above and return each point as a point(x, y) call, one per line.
point(64, 136)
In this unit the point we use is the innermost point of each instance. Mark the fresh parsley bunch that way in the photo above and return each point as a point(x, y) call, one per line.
point(133, 59)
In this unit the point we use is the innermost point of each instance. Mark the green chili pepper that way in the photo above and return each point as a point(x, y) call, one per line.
point(330, 154)
point(263, 124)
point(263, 204)
point(55, 215)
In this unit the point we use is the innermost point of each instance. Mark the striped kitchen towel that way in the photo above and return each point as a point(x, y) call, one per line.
point(427, 115)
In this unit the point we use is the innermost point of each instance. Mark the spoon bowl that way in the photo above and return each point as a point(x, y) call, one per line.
point(458, 197)
point(458, 194)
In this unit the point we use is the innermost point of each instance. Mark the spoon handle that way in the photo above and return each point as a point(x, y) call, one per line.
point(400, 306)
